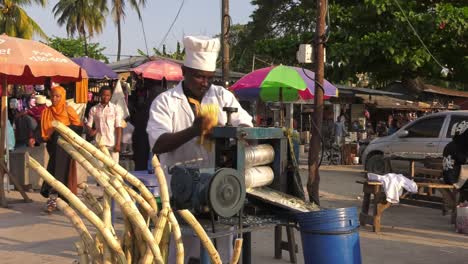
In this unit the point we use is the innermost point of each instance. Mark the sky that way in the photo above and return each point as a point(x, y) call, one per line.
point(197, 17)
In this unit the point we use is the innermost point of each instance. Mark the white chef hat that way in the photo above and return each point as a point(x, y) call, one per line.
point(201, 52)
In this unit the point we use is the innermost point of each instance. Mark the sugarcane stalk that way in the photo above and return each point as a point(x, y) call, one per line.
point(148, 257)
point(81, 252)
point(206, 241)
point(177, 237)
point(165, 200)
point(127, 244)
point(80, 207)
point(88, 241)
point(124, 201)
point(107, 216)
point(99, 242)
point(158, 231)
point(90, 200)
point(160, 224)
point(107, 219)
point(71, 136)
point(237, 251)
point(163, 188)
point(143, 203)
point(165, 240)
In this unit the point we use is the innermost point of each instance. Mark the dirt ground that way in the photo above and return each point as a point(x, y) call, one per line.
point(410, 234)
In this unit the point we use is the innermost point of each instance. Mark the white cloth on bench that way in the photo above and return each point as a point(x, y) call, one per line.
point(393, 185)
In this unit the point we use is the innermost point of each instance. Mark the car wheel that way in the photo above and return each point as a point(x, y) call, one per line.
point(376, 164)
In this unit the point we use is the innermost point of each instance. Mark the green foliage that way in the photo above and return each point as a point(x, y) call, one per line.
point(177, 55)
point(370, 36)
point(74, 48)
point(15, 22)
point(82, 17)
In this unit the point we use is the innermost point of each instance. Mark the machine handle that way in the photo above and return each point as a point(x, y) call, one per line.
point(229, 111)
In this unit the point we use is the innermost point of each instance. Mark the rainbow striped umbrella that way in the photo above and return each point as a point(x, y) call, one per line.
point(280, 83)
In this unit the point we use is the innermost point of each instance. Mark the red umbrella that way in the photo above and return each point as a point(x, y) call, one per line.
point(25, 61)
point(159, 69)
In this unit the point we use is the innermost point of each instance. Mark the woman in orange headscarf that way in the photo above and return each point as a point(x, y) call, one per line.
point(59, 160)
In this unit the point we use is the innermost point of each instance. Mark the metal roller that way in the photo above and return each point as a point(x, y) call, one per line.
point(259, 155)
point(258, 176)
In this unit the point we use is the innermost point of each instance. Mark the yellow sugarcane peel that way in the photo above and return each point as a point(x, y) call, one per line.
point(210, 113)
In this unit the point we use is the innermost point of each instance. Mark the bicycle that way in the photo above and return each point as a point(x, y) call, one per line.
point(331, 153)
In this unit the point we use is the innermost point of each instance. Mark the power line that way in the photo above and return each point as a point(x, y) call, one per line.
point(417, 35)
point(173, 22)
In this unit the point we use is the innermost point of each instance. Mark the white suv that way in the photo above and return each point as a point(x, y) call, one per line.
point(426, 135)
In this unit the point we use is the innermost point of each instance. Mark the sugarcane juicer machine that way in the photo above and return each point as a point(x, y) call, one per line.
point(245, 157)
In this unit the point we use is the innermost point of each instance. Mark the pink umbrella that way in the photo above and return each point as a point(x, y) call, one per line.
point(159, 69)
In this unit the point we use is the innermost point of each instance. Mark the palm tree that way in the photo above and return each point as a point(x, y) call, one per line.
point(118, 15)
point(82, 17)
point(15, 22)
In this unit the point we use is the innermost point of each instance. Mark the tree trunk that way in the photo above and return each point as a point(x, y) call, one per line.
point(85, 44)
point(119, 39)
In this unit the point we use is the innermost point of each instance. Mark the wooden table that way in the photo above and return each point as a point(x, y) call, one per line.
point(427, 180)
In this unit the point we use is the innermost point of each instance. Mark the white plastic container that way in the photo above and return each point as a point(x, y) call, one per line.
point(461, 225)
point(355, 160)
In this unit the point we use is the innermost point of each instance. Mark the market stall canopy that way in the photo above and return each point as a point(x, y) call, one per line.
point(159, 69)
point(387, 102)
point(25, 61)
point(95, 69)
point(280, 83)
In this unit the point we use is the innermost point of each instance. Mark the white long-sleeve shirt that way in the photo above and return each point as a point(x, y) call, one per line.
point(170, 112)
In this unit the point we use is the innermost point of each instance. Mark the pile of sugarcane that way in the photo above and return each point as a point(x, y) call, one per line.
point(137, 243)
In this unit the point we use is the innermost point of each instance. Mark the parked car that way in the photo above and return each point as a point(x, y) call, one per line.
point(426, 135)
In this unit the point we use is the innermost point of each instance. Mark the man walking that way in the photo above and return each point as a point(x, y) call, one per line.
point(107, 118)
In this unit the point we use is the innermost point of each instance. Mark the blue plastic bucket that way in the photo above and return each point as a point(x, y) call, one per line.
point(330, 236)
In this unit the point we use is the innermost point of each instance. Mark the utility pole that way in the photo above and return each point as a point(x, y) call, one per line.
point(314, 149)
point(225, 24)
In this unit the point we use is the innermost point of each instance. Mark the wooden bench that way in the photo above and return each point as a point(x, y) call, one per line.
point(373, 192)
point(431, 173)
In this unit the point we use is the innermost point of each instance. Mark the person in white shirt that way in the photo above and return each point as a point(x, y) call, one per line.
point(173, 126)
point(107, 118)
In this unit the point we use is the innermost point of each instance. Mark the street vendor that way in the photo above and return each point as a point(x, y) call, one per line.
point(174, 126)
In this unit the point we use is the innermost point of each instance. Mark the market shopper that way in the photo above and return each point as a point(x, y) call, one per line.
point(28, 122)
point(59, 160)
point(174, 127)
point(395, 125)
point(107, 120)
point(455, 155)
point(340, 131)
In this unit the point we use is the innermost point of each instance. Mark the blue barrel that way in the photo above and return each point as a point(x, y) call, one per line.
point(330, 236)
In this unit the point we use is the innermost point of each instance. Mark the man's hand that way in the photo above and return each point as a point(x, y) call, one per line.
point(117, 148)
point(202, 125)
point(92, 132)
point(197, 125)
